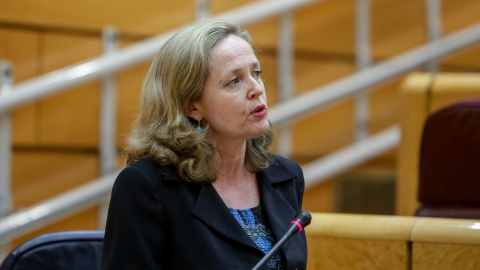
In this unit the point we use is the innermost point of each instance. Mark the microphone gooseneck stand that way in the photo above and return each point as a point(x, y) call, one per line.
point(301, 221)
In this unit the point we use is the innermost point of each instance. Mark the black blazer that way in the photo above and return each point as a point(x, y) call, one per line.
point(158, 221)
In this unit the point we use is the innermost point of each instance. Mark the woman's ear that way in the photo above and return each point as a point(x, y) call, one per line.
point(192, 111)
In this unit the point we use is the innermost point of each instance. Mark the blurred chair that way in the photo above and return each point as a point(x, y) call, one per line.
point(449, 175)
point(421, 95)
point(72, 250)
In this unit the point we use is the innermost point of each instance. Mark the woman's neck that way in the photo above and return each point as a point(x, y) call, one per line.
point(240, 192)
point(235, 184)
point(230, 159)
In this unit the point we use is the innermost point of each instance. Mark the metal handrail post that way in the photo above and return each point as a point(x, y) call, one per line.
point(202, 10)
point(434, 27)
point(5, 141)
point(363, 60)
point(285, 61)
point(5, 148)
point(108, 111)
point(108, 119)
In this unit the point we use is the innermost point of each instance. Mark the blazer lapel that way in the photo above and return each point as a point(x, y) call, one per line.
point(211, 210)
point(278, 211)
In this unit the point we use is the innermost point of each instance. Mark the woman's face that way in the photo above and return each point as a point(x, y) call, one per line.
point(234, 102)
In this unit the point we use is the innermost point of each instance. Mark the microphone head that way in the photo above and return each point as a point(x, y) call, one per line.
point(304, 218)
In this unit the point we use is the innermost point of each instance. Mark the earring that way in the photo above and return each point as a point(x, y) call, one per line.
point(199, 128)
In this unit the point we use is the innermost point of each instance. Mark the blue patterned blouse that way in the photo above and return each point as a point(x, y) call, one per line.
point(253, 222)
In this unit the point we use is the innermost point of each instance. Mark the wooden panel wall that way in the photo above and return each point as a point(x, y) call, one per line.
point(39, 37)
point(40, 174)
point(145, 17)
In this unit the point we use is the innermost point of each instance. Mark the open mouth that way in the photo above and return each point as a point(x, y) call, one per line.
point(259, 108)
point(259, 111)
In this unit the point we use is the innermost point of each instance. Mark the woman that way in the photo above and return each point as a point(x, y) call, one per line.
point(201, 191)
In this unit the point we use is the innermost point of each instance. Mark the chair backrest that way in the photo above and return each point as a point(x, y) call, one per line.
point(71, 250)
point(449, 179)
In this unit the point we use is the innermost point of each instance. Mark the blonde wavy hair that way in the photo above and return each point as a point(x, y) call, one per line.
point(177, 76)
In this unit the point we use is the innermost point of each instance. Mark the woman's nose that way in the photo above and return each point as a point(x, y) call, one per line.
point(256, 89)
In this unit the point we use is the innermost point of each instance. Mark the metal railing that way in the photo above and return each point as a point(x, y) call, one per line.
point(46, 212)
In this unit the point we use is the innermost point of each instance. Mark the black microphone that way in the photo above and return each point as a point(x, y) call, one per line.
point(300, 222)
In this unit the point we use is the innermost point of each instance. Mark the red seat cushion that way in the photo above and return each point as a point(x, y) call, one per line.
point(450, 157)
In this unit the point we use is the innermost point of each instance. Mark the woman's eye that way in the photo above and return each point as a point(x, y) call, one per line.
point(233, 81)
point(257, 73)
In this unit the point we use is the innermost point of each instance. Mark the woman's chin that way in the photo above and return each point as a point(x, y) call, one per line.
point(260, 129)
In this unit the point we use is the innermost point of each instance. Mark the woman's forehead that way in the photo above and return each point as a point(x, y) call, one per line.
point(233, 53)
